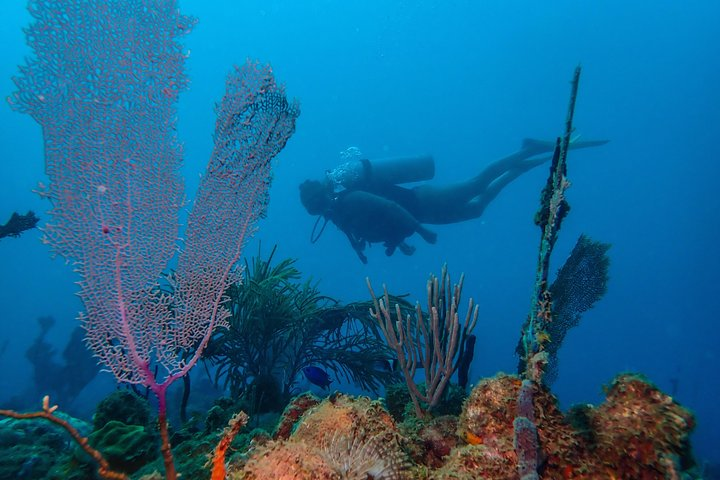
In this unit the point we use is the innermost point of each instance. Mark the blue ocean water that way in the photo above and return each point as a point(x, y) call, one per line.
point(465, 81)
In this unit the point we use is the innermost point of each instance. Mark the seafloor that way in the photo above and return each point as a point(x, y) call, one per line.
point(637, 433)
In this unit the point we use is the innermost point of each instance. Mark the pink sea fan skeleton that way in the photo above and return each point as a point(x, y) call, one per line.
point(103, 84)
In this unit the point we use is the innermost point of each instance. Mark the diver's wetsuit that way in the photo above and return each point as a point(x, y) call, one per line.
point(366, 217)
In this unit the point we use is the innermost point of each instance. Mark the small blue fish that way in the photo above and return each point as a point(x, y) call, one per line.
point(386, 365)
point(317, 376)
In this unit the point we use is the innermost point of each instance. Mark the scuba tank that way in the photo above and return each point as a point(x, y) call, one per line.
point(395, 170)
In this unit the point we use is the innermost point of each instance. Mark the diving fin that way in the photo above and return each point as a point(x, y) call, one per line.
point(542, 146)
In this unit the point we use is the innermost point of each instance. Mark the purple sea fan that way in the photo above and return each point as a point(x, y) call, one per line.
point(254, 122)
point(103, 83)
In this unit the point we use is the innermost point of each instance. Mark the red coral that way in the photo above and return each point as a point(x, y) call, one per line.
point(297, 407)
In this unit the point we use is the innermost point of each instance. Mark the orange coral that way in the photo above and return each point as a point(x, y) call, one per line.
point(234, 425)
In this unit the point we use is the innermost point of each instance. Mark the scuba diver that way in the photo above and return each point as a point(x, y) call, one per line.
point(364, 199)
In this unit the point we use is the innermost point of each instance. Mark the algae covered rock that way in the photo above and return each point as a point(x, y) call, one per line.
point(287, 460)
point(123, 406)
point(125, 447)
point(35, 448)
point(487, 419)
point(476, 462)
point(341, 437)
point(639, 431)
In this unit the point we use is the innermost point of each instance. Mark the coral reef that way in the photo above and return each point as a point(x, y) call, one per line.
point(286, 460)
point(488, 417)
point(429, 442)
point(509, 426)
point(640, 432)
point(428, 341)
point(580, 283)
point(342, 437)
point(636, 433)
point(344, 414)
point(472, 462)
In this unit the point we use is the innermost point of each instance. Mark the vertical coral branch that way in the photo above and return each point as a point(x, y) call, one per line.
point(553, 210)
point(428, 342)
point(525, 437)
point(236, 423)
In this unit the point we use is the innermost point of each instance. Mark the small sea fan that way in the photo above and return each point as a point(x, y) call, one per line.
point(357, 456)
point(580, 284)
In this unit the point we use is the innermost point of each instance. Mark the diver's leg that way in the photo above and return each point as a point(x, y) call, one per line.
point(469, 189)
point(404, 248)
point(446, 204)
point(475, 207)
point(465, 200)
point(522, 159)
